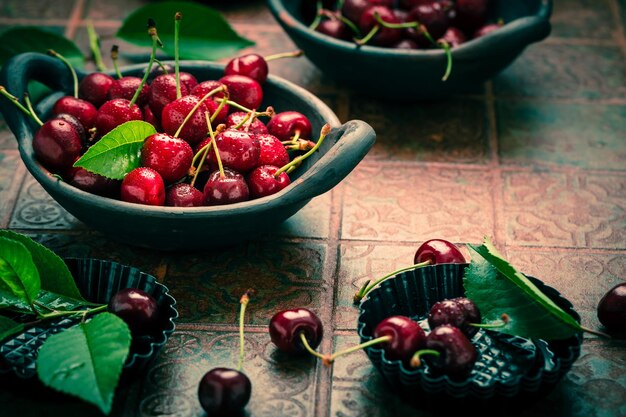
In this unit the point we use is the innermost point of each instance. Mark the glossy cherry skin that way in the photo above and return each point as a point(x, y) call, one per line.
point(285, 125)
point(126, 87)
point(243, 90)
point(143, 186)
point(286, 326)
point(183, 195)
point(94, 88)
point(470, 14)
point(137, 308)
point(251, 65)
point(163, 92)
point(74, 122)
point(272, 151)
point(93, 183)
point(457, 353)
point(612, 309)
point(188, 80)
point(438, 251)
point(486, 29)
point(225, 189)
point(459, 312)
point(169, 156)
point(334, 28)
point(256, 126)
point(238, 150)
point(407, 337)
point(385, 36)
point(433, 17)
point(213, 102)
point(149, 116)
point(263, 182)
point(115, 112)
point(454, 37)
point(472, 315)
point(224, 392)
point(57, 144)
point(83, 110)
point(353, 9)
point(174, 113)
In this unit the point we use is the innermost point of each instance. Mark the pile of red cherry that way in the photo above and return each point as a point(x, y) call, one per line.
point(403, 24)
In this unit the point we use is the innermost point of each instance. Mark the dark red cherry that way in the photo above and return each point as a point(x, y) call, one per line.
point(433, 17)
point(94, 88)
point(286, 326)
point(439, 251)
point(137, 308)
point(470, 14)
point(287, 124)
point(454, 37)
point(243, 90)
point(188, 80)
point(407, 337)
point(263, 182)
point(472, 315)
point(115, 112)
point(487, 29)
point(334, 28)
point(174, 113)
point(57, 144)
point(272, 151)
point(143, 186)
point(227, 188)
point(183, 195)
point(169, 156)
point(251, 65)
point(405, 44)
point(612, 309)
point(74, 122)
point(235, 119)
point(149, 117)
point(163, 92)
point(93, 183)
point(83, 110)
point(385, 36)
point(457, 354)
point(446, 312)
point(238, 150)
point(212, 103)
point(353, 9)
point(206, 87)
point(224, 392)
point(126, 87)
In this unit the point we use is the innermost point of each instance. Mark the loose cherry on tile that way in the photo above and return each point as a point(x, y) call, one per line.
point(611, 309)
point(297, 331)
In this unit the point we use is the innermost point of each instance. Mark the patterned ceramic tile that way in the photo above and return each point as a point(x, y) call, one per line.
point(444, 131)
point(583, 19)
point(285, 275)
point(414, 203)
point(312, 221)
point(569, 210)
point(35, 9)
point(11, 174)
point(585, 136)
point(552, 70)
point(7, 139)
point(35, 209)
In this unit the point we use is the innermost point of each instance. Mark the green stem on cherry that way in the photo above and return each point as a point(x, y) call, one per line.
point(367, 287)
point(368, 37)
point(252, 115)
point(94, 46)
point(245, 299)
point(55, 54)
point(338, 16)
point(318, 15)
point(299, 145)
point(309, 349)
point(197, 106)
point(156, 42)
point(219, 108)
point(382, 339)
point(19, 105)
point(416, 359)
point(293, 54)
point(297, 160)
point(160, 64)
point(177, 18)
point(220, 166)
point(115, 53)
point(446, 48)
point(238, 106)
point(29, 106)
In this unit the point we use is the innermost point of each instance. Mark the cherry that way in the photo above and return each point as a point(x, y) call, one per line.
point(263, 181)
point(289, 124)
point(243, 90)
point(611, 309)
point(404, 337)
point(177, 112)
point(137, 308)
point(238, 150)
point(163, 92)
point(438, 251)
point(433, 17)
point(293, 330)
point(143, 185)
point(334, 28)
point(169, 156)
point(454, 36)
point(213, 102)
point(115, 112)
point(149, 117)
point(460, 312)
point(225, 187)
point(378, 34)
point(93, 183)
point(74, 122)
point(272, 151)
point(206, 87)
point(251, 65)
point(239, 117)
point(470, 14)
point(354, 9)
point(126, 87)
point(188, 80)
point(448, 350)
point(224, 391)
point(486, 29)
point(183, 195)
point(83, 110)
point(405, 44)
point(94, 88)
point(57, 144)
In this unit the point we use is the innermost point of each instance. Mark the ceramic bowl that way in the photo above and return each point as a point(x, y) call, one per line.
point(174, 228)
point(417, 74)
point(97, 280)
point(509, 369)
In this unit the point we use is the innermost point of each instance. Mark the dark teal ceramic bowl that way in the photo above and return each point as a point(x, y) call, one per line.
point(175, 228)
point(416, 74)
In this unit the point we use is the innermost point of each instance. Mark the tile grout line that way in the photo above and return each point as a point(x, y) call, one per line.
point(621, 35)
point(75, 18)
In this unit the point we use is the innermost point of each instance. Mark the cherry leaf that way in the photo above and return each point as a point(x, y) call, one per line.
point(86, 360)
point(9, 327)
point(496, 288)
point(204, 33)
point(19, 278)
point(118, 152)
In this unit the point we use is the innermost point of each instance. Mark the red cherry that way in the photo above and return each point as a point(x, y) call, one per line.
point(406, 337)
point(286, 326)
point(486, 29)
point(287, 124)
point(126, 87)
point(213, 102)
point(115, 112)
point(93, 183)
point(272, 152)
point(83, 110)
point(188, 80)
point(137, 308)
point(224, 392)
point(238, 150)
point(235, 119)
point(57, 144)
point(454, 37)
point(457, 354)
point(95, 88)
point(183, 195)
point(251, 65)
point(611, 309)
point(439, 251)
point(169, 156)
point(385, 36)
point(163, 92)
point(174, 114)
point(263, 182)
point(143, 186)
point(223, 189)
point(243, 90)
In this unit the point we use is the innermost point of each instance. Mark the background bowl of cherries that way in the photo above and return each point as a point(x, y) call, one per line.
point(413, 49)
point(203, 155)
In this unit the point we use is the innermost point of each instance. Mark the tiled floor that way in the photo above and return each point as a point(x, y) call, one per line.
point(537, 160)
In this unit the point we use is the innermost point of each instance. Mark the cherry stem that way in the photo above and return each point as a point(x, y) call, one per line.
point(160, 64)
point(318, 15)
point(69, 65)
point(219, 108)
point(94, 45)
point(152, 31)
point(367, 287)
point(19, 105)
point(297, 160)
point(215, 150)
point(373, 342)
point(177, 18)
point(197, 106)
point(446, 48)
point(416, 361)
point(29, 105)
point(115, 52)
point(309, 349)
point(293, 54)
point(245, 299)
point(368, 37)
point(238, 106)
point(343, 19)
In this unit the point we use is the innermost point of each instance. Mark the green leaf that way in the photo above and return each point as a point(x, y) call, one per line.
point(204, 33)
point(497, 288)
point(118, 152)
point(9, 327)
point(44, 302)
point(33, 39)
point(53, 272)
point(19, 278)
point(86, 360)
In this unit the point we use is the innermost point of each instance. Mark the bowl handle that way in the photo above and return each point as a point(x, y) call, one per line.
point(17, 73)
point(351, 142)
